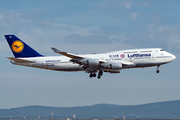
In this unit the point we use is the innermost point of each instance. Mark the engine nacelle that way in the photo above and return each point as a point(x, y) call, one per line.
point(112, 65)
point(115, 66)
point(90, 62)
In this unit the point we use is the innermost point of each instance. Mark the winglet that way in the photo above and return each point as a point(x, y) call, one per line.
point(55, 50)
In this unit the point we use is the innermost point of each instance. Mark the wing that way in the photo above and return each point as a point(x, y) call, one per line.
point(20, 60)
point(91, 64)
point(67, 54)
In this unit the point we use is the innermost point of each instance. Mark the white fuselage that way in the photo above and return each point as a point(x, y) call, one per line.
point(134, 58)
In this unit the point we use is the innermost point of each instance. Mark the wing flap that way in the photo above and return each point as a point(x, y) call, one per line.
point(92, 69)
point(20, 60)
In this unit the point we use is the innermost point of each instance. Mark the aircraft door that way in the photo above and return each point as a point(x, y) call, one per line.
point(153, 55)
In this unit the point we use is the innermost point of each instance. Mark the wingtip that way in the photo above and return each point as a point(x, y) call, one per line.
point(8, 57)
point(55, 50)
point(52, 48)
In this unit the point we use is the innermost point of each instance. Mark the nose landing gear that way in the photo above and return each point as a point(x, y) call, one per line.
point(157, 71)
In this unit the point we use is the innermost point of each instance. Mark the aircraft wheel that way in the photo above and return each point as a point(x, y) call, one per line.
point(101, 73)
point(91, 75)
point(94, 75)
point(157, 71)
point(99, 76)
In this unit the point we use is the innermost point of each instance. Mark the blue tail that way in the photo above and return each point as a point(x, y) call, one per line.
point(19, 48)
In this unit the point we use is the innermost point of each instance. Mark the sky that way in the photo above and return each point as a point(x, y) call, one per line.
point(94, 26)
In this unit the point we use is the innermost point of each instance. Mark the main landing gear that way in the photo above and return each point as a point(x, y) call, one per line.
point(94, 74)
point(100, 74)
point(157, 71)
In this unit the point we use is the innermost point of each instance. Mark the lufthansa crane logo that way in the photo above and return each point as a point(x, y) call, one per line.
point(17, 46)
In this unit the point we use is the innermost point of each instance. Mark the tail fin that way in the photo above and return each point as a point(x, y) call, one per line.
point(19, 48)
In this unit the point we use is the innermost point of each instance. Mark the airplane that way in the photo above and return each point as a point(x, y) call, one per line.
point(111, 62)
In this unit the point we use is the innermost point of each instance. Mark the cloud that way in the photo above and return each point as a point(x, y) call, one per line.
point(115, 3)
point(168, 28)
point(92, 39)
point(7, 18)
point(134, 15)
point(167, 37)
point(151, 36)
point(127, 4)
point(48, 33)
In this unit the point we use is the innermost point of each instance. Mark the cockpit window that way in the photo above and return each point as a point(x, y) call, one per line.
point(161, 50)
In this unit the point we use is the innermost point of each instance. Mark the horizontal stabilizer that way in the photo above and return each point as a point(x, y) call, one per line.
point(20, 60)
point(67, 54)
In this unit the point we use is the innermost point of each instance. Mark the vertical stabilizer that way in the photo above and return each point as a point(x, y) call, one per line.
point(19, 48)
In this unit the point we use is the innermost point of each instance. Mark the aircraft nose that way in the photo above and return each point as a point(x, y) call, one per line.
point(174, 57)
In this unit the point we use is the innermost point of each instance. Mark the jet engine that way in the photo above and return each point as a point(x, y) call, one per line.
point(112, 65)
point(90, 62)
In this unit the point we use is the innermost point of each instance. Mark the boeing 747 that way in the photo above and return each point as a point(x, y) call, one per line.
point(111, 62)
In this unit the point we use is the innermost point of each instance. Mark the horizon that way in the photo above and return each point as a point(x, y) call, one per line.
point(162, 110)
point(94, 105)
